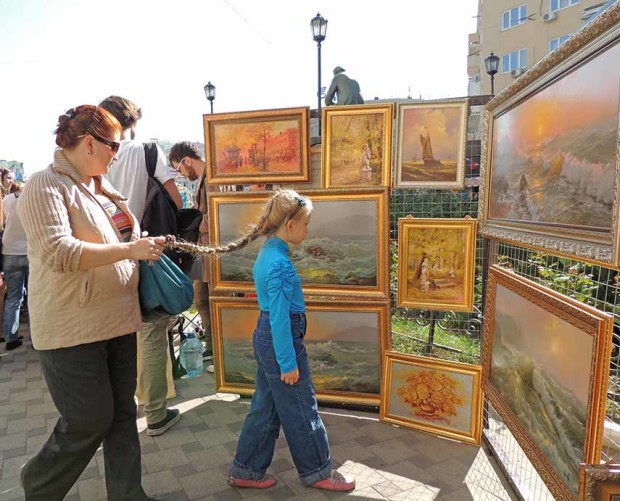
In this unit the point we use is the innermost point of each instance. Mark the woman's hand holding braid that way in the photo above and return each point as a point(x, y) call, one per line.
point(148, 248)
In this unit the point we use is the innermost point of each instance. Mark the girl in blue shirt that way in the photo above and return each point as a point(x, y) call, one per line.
point(284, 393)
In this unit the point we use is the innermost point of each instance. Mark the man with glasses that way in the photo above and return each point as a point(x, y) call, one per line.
point(129, 175)
point(187, 160)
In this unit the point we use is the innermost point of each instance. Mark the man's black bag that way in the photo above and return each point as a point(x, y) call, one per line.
point(161, 216)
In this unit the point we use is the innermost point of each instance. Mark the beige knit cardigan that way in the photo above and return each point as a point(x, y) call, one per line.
point(69, 306)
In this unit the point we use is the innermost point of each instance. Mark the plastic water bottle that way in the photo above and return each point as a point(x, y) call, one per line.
point(191, 355)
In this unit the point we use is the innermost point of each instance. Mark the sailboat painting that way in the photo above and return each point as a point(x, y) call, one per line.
point(431, 144)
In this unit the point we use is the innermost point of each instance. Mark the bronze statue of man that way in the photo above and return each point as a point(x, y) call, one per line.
point(347, 89)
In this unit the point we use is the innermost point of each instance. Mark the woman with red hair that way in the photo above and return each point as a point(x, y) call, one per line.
point(83, 247)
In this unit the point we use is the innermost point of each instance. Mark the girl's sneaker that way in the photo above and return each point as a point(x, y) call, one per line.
point(335, 482)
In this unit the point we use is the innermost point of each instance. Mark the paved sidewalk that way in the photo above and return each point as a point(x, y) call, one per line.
point(189, 462)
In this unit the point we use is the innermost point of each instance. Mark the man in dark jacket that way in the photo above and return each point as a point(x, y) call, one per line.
point(347, 89)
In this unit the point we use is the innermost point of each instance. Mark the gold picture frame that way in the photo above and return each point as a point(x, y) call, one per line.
point(600, 482)
point(344, 254)
point(434, 396)
point(436, 265)
point(257, 147)
point(545, 360)
point(431, 144)
point(335, 328)
point(357, 146)
point(549, 164)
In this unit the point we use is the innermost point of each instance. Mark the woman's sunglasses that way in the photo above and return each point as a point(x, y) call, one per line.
point(114, 146)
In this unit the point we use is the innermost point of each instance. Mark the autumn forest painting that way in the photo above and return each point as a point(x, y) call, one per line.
point(257, 146)
point(436, 263)
point(358, 147)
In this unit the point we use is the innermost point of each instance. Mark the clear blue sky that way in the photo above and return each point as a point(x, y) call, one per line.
point(55, 54)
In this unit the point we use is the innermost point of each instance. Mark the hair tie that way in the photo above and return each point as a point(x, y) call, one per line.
point(71, 113)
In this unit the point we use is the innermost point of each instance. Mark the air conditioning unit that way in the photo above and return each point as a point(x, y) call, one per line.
point(549, 16)
point(517, 73)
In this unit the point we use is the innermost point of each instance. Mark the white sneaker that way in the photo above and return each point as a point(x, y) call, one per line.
point(210, 369)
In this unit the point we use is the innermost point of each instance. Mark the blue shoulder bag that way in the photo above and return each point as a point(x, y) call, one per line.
point(163, 284)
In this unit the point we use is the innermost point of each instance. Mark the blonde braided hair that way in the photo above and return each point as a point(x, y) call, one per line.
point(283, 206)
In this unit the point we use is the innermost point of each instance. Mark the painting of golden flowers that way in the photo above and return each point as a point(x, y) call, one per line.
point(434, 396)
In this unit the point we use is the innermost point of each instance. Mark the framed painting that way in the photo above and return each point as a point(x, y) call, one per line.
point(436, 263)
point(257, 147)
point(345, 252)
point(550, 150)
point(434, 396)
point(357, 146)
point(599, 482)
point(431, 144)
point(545, 370)
point(345, 343)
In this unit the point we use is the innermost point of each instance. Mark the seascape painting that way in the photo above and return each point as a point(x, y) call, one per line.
point(343, 342)
point(554, 155)
point(344, 249)
point(541, 365)
point(257, 147)
point(358, 147)
point(436, 265)
point(436, 396)
point(431, 148)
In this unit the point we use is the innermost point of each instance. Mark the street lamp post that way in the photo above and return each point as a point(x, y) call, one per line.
point(492, 65)
point(319, 29)
point(210, 93)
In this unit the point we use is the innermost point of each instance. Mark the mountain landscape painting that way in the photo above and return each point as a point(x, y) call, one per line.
point(344, 346)
point(554, 155)
point(541, 366)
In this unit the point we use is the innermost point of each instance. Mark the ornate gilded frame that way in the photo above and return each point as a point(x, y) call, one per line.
point(239, 125)
point(459, 141)
point(236, 305)
point(591, 322)
point(572, 240)
point(599, 482)
point(385, 113)
point(432, 366)
point(379, 199)
point(405, 225)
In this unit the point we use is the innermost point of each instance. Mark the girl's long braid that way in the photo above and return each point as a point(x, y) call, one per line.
point(262, 228)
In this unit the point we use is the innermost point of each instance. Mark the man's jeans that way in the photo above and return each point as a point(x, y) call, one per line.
point(153, 351)
point(276, 403)
point(15, 273)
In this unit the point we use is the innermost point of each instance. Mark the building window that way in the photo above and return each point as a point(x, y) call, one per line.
point(514, 17)
point(562, 4)
point(514, 60)
point(556, 42)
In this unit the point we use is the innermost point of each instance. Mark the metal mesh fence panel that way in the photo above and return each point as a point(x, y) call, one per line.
point(457, 336)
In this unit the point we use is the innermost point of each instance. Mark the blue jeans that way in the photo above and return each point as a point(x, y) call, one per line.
point(15, 272)
point(276, 403)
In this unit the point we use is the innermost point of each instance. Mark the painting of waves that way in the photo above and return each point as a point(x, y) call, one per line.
point(344, 348)
point(541, 366)
point(555, 154)
point(341, 248)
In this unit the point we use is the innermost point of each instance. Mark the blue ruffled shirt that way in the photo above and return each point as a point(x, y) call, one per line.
point(278, 289)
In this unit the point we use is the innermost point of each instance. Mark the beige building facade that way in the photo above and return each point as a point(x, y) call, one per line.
point(521, 33)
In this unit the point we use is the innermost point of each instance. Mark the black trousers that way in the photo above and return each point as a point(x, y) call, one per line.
point(92, 386)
